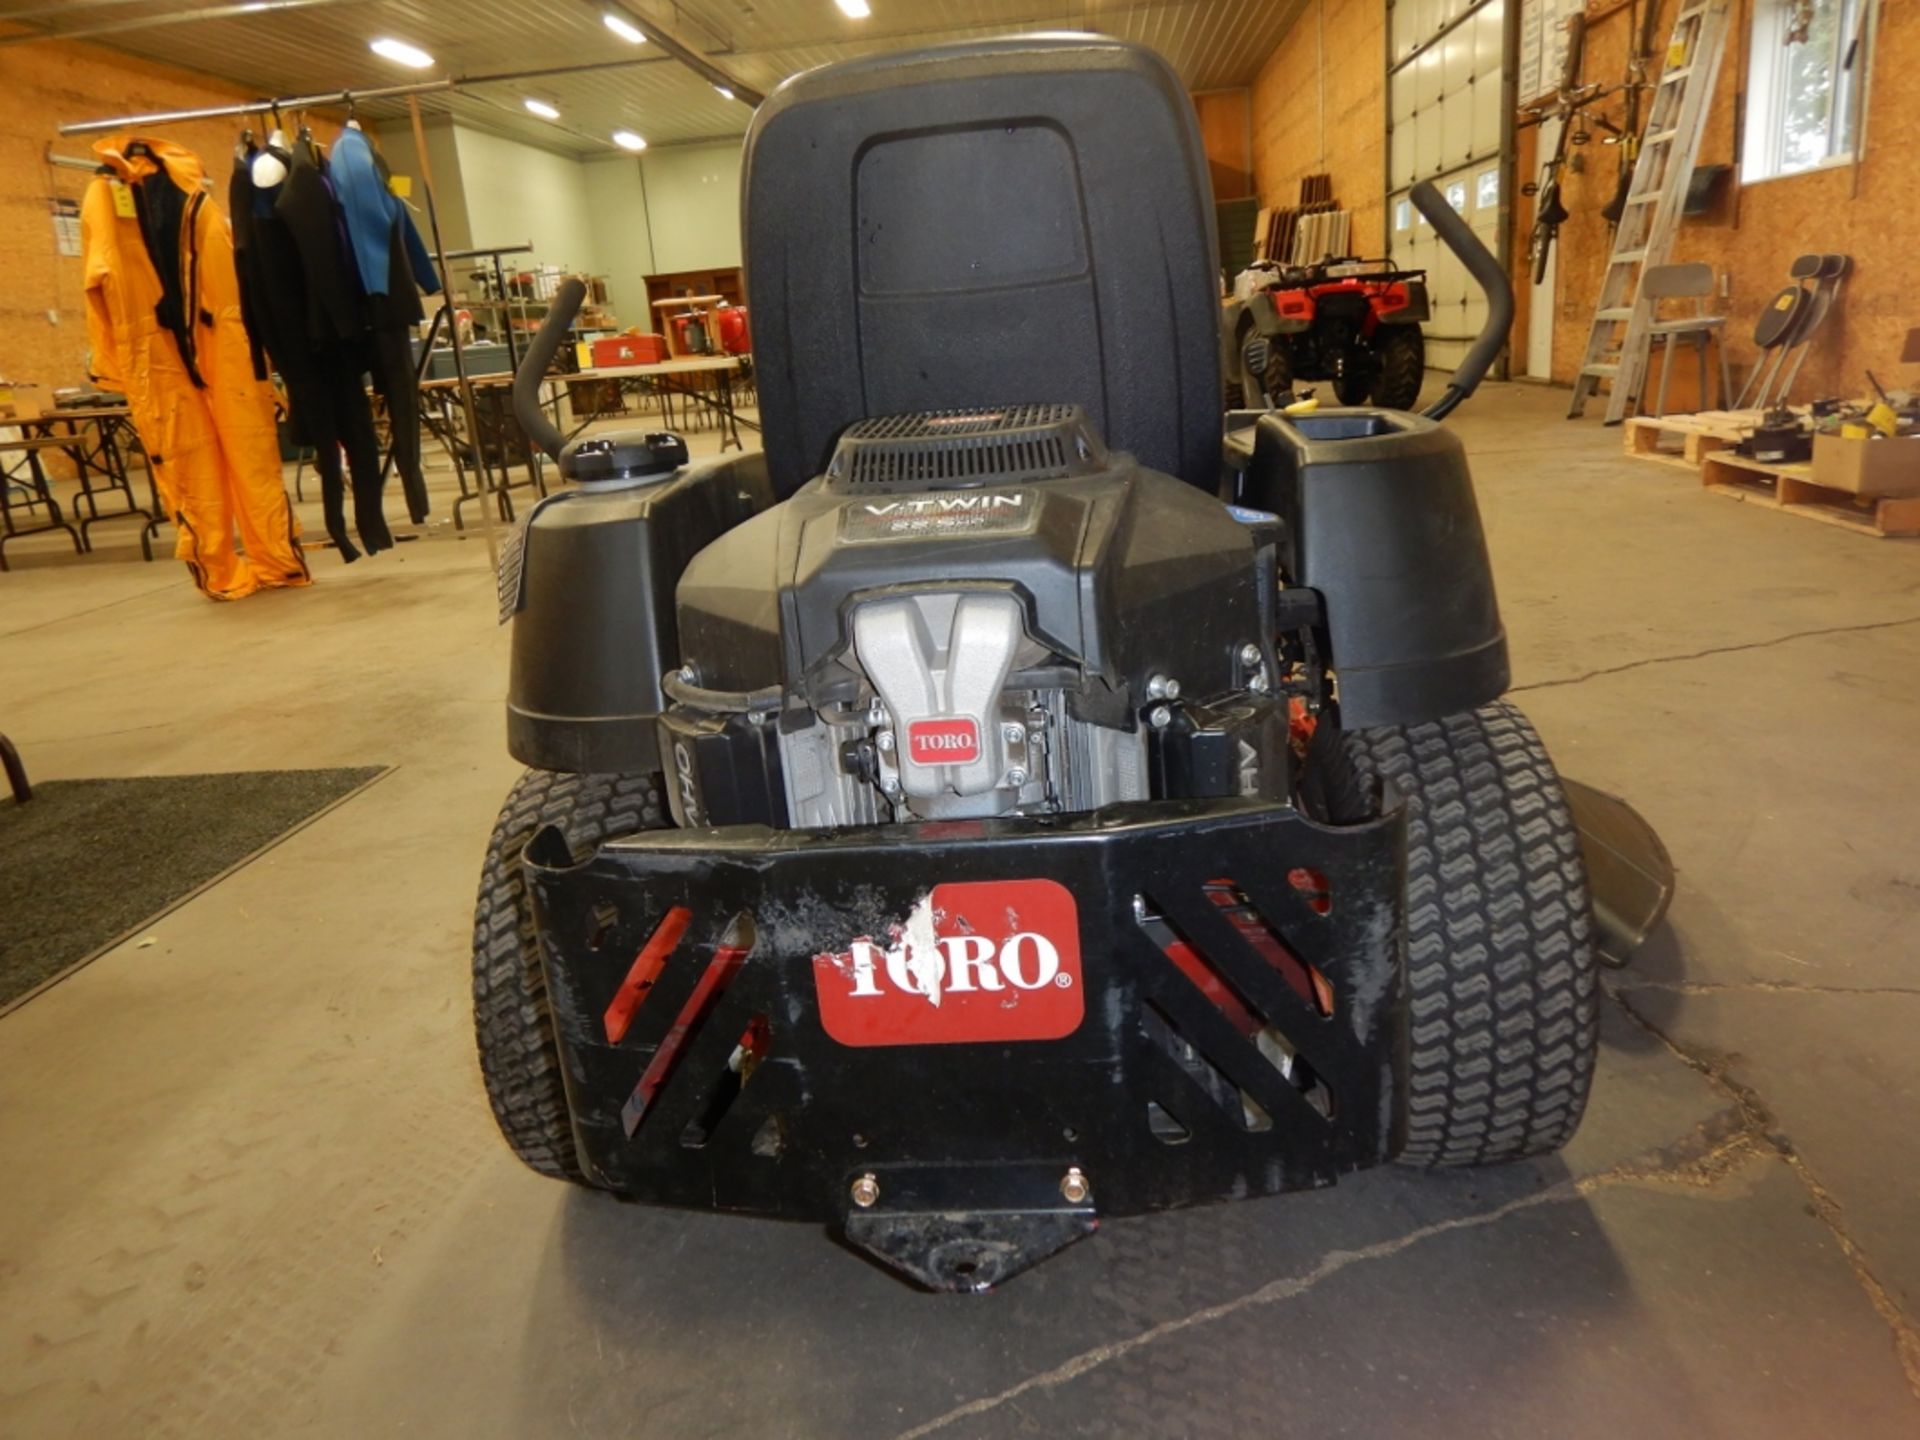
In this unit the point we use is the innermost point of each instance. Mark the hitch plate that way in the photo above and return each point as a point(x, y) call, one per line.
point(1232, 1024)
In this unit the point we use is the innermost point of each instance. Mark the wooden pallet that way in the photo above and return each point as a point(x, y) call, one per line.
point(1685, 440)
point(1790, 488)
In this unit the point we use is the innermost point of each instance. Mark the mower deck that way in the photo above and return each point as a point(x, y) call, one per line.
point(963, 1043)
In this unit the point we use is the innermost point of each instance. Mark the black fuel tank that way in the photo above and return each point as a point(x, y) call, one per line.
point(589, 587)
point(1381, 520)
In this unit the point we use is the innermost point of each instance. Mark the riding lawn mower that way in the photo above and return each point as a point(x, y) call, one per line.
point(1006, 801)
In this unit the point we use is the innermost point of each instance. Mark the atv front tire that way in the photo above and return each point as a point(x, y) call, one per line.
point(1402, 357)
point(1503, 990)
point(513, 1024)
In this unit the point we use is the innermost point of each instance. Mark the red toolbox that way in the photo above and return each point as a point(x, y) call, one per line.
point(629, 350)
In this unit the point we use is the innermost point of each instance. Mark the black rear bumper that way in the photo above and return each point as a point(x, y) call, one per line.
point(1230, 1038)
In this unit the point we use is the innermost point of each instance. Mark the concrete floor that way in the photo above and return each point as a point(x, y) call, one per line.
point(254, 1187)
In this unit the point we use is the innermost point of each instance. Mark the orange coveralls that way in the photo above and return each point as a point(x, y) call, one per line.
point(205, 420)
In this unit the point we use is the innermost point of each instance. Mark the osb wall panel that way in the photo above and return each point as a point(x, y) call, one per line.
point(1320, 107)
point(43, 329)
point(1755, 231)
point(1225, 130)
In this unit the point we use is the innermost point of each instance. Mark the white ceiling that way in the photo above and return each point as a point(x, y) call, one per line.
point(284, 47)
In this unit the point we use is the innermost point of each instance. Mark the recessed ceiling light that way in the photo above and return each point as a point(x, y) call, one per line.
point(854, 9)
point(627, 140)
point(725, 94)
point(541, 108)
point(624, 28)
point(401, 53)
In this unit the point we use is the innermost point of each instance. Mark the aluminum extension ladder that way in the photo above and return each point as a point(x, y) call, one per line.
point(1655, 198)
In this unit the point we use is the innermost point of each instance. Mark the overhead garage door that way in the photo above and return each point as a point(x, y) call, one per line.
point(1449, 120)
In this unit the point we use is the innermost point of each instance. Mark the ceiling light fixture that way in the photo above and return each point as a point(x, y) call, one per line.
point(627, 140)
point(401, 53)
point(541, 108)
point(724, 93)
point(854, 9)
point(624, 28)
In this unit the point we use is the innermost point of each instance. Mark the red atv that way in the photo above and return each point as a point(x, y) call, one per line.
point(1354, 322)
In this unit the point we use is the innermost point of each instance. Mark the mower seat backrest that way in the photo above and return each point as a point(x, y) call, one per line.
point(998, 222)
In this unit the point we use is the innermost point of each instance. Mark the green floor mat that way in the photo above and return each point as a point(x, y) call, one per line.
point(86, 861)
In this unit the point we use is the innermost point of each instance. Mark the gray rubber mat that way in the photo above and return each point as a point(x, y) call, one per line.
point(86, 861)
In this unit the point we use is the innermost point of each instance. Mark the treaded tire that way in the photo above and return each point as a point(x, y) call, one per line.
point(1503, 990)
point(513, 1025)
point(1276, 376)
point(1403, 368)
point(1353, 389)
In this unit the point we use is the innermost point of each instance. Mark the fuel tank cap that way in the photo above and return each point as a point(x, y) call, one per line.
point(621, 458)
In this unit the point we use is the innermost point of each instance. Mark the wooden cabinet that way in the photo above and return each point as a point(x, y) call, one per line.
point(726, 284)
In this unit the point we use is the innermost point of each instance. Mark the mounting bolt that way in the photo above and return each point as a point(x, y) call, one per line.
point(883, 742)
point(1074, 1188)
point(866, 1190)
point(1016, 777)
point(1250, 655)
point(1163, 687)
point(1160, 717)
point(1014, 733)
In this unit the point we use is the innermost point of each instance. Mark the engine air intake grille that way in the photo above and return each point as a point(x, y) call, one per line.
point(957, 449)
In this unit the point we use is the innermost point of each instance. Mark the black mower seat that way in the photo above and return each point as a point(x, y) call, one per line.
point(1010, 221)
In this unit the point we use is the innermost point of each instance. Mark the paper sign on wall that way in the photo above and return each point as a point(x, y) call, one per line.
point(66, 225)
point(1543, 45)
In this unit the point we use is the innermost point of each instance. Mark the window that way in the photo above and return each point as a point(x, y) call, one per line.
point(1800, 86)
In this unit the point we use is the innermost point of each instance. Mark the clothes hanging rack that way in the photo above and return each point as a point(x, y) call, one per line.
point(411, 93)
point(77, 162)
point(349, 98)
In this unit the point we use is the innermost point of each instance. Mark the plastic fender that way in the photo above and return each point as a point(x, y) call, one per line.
point(1381, 520)
point(1403, 303)
point(1282, 312)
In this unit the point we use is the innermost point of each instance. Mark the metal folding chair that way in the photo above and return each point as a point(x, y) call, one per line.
point(1686, 282)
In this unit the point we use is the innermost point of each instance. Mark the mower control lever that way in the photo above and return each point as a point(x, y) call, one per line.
point(1492, 279)
point(533, 367)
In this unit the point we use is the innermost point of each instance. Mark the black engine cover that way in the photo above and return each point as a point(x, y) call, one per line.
point(1125, 572)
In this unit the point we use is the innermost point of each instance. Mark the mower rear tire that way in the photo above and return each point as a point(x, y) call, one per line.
point(512, 1021)
point(1502, 978)
point(1402, 357)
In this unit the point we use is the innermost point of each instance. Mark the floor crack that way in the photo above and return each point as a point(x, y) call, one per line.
point(1714, 650)
point(1760, 987)
point(1717, 1162)
point(90, 610)
point(1759, 1122)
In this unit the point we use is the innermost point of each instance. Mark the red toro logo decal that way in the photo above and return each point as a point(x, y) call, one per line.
point(973, 962)
point(952, 741)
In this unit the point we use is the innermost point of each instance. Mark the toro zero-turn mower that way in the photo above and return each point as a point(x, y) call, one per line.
point(1006, 802)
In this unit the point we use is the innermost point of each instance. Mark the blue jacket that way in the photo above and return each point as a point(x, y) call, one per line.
point(372, 212)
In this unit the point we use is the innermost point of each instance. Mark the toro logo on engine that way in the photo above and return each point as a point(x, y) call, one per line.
point(953, 740)
point(978, 961)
